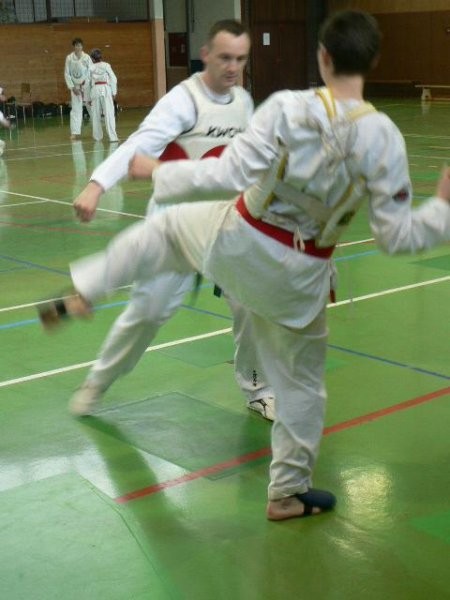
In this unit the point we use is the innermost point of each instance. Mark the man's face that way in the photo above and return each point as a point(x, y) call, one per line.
point(224, 59)
point(78, 48)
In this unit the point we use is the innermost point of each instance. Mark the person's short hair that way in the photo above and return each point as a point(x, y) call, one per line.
point(77, 41)
point(230, 26)
point(96, 54)
point(353, 40)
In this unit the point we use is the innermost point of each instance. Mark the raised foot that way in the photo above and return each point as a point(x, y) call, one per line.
point(54, 312)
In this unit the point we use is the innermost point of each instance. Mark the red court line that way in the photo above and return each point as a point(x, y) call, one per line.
point(245, 458)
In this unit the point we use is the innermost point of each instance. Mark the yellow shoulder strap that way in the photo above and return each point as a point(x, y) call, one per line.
point(328, 101)
point(359, 111)
point(330, 105)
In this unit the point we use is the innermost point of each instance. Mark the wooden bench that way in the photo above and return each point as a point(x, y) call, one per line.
point(427, 87)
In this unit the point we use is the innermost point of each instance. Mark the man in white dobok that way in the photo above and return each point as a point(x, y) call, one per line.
point(76, 75)
point(197, 118)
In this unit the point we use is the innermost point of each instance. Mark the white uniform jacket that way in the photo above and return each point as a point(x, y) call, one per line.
point(102, 80)
point(323, 157)
point(174, 114)
point(76, 70)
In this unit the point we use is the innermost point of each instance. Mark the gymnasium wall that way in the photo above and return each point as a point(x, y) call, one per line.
point(416, 41)
point(35, 54)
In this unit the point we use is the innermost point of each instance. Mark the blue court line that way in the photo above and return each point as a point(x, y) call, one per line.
point(30, 264)
point(206, 312)
point(26, 322)
point(387, 361)
point(358, 255)
point(380, 359)
point(12, 270)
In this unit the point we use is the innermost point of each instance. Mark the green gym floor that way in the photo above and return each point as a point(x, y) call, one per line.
point(162, 495)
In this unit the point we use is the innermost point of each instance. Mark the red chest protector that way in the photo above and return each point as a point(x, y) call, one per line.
point(174, 151)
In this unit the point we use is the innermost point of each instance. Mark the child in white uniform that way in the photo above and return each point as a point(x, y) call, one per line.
point(102, 91)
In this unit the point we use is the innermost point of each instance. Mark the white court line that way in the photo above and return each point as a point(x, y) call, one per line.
point(38, 147)
point(116, 212)
point(34, 304)
point(89, 363)
point(68, 203)
point(355, 243)
point(58, 155)
point(431, 137)
point(427, 156)
point(18, 204)
point(403, 288)
point(214, 333)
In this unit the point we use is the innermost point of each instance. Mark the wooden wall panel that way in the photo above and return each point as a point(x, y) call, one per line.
point(416, 40)
point(406, 49)
point(279, 50)
point(281, 10)
point(389, 6)
point(36, 54)
point(28, 56)
point(439, 48)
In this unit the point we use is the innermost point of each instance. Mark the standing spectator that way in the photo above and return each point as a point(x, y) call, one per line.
point(76, 74)
point(3, 121)
point(102, 91)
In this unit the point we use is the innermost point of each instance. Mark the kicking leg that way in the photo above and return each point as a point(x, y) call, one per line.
point(140, 252)
point(151, 305)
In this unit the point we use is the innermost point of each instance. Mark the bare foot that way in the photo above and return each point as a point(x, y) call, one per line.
point(54, 312)
point(311, 502)
point(288, 508)
point(77, 306)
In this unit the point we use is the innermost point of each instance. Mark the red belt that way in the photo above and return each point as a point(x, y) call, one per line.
point(282, 235)
point(101, 82)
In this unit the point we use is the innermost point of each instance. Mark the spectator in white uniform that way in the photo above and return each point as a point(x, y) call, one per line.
point(195, 118)
point(76, 74)
point(4, 122)
point(302, 168)
point(102, 91)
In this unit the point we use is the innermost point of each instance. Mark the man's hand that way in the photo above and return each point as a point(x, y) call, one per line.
point(86, 203)
point(142, 167)
point(443, 186)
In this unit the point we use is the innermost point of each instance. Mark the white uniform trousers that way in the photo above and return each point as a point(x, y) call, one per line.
point(194, 237)
point(151, 304)
point(76, 112)
point(102, 103)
